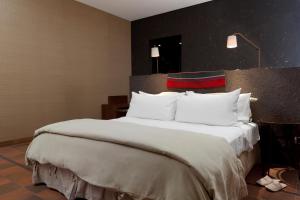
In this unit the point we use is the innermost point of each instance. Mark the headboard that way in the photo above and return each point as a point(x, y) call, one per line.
point(277, 90)
point(157, 83)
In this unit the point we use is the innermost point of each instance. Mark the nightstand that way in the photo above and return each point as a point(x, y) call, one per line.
point(117, 107)
point(280, 145)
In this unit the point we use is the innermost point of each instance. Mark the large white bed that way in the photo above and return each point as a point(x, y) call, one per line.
point(139, 157)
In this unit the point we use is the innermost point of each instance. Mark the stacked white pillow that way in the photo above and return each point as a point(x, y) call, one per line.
point(210, 109)
point(159, 107)
point(219, 109)
point(244, 110)
point(163, 93)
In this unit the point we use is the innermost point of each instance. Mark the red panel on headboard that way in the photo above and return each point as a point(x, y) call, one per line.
point(196, 80)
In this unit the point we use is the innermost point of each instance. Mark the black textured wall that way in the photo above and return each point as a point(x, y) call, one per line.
point(273, 24)
point(277, 90)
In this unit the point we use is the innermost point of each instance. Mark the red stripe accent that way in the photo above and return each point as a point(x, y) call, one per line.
point(196, 84)
point(197, 79)
point(197, 72)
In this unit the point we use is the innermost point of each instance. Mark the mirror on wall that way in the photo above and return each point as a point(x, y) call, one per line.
point(165, 54)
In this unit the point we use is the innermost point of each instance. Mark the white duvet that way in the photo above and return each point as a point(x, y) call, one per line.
point(142, 161)
point(241, 137)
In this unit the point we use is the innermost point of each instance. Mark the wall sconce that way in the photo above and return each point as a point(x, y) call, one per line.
point(253, 99)
point(155, 54)
point(232, 43)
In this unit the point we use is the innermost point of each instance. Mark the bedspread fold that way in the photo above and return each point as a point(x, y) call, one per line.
point(155, 163)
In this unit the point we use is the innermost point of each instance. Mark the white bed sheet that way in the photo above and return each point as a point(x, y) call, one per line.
point(241, 137)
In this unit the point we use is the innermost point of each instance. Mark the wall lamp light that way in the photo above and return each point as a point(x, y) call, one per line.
point(232, 43)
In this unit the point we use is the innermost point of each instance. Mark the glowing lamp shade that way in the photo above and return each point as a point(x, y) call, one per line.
point(231, 42)
point(154, 52)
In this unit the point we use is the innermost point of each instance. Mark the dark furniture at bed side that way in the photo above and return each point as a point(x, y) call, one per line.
point(280, 145)
point(277, 110)
point(117, 107)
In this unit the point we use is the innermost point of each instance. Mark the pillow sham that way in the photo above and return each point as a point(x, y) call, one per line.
point(244, 111)
point(163, 93)
point(152, 107)
point(210, 109)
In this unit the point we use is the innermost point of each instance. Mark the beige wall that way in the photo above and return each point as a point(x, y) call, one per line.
point(59, 60)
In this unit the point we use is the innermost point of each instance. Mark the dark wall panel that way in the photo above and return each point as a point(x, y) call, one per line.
point(272, 24)
point(277, 90)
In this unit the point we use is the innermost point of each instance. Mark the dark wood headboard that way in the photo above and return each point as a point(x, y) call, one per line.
point(277, 90)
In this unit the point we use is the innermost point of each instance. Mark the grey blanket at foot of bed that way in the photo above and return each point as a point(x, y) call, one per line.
point(142, 161)
point(71, 186)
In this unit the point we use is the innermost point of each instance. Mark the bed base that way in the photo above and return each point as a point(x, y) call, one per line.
point(72, 187)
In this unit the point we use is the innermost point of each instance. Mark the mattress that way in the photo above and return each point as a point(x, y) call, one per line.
point(242, 137)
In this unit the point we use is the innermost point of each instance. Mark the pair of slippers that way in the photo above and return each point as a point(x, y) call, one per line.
point(273, 185)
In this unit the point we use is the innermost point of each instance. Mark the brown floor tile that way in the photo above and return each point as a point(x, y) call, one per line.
point(9, 187)
point(288, 176)
point(33, 197)
point(4, 164)
point(19, 159)
point(25, 181)
point(4, 181)
point(21, 147)
point(19, 194)
point(262, 193)
point(36, 188)
point(297, 198)
point(14, 173)
point(9, 152)
point(50, 195)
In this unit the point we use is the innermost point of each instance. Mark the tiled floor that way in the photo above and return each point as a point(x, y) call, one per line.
point(288, 176)
point(15, 177)
point(15, 180)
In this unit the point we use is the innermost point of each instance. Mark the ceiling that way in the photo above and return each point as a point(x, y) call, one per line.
point(137, 9)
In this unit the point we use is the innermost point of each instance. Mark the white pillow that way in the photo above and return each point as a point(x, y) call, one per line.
point(163, 93)
point(244, 110)
point(152, 107)
point(210, 109)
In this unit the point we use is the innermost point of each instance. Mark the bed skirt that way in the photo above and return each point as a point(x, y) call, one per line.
point(72, 187)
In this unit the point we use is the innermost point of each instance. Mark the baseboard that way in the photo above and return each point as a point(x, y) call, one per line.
point(16, 141)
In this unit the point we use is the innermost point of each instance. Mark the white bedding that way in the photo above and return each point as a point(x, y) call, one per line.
point(241, 137)
point(144, 161)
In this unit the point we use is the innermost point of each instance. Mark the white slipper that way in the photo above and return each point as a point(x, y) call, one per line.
point(265, 181)
point(276, 186)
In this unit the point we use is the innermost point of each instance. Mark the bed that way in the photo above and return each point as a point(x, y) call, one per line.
point(136, 158)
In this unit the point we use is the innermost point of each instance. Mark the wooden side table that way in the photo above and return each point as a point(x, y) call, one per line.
point(117, 107)
point(280, 145)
